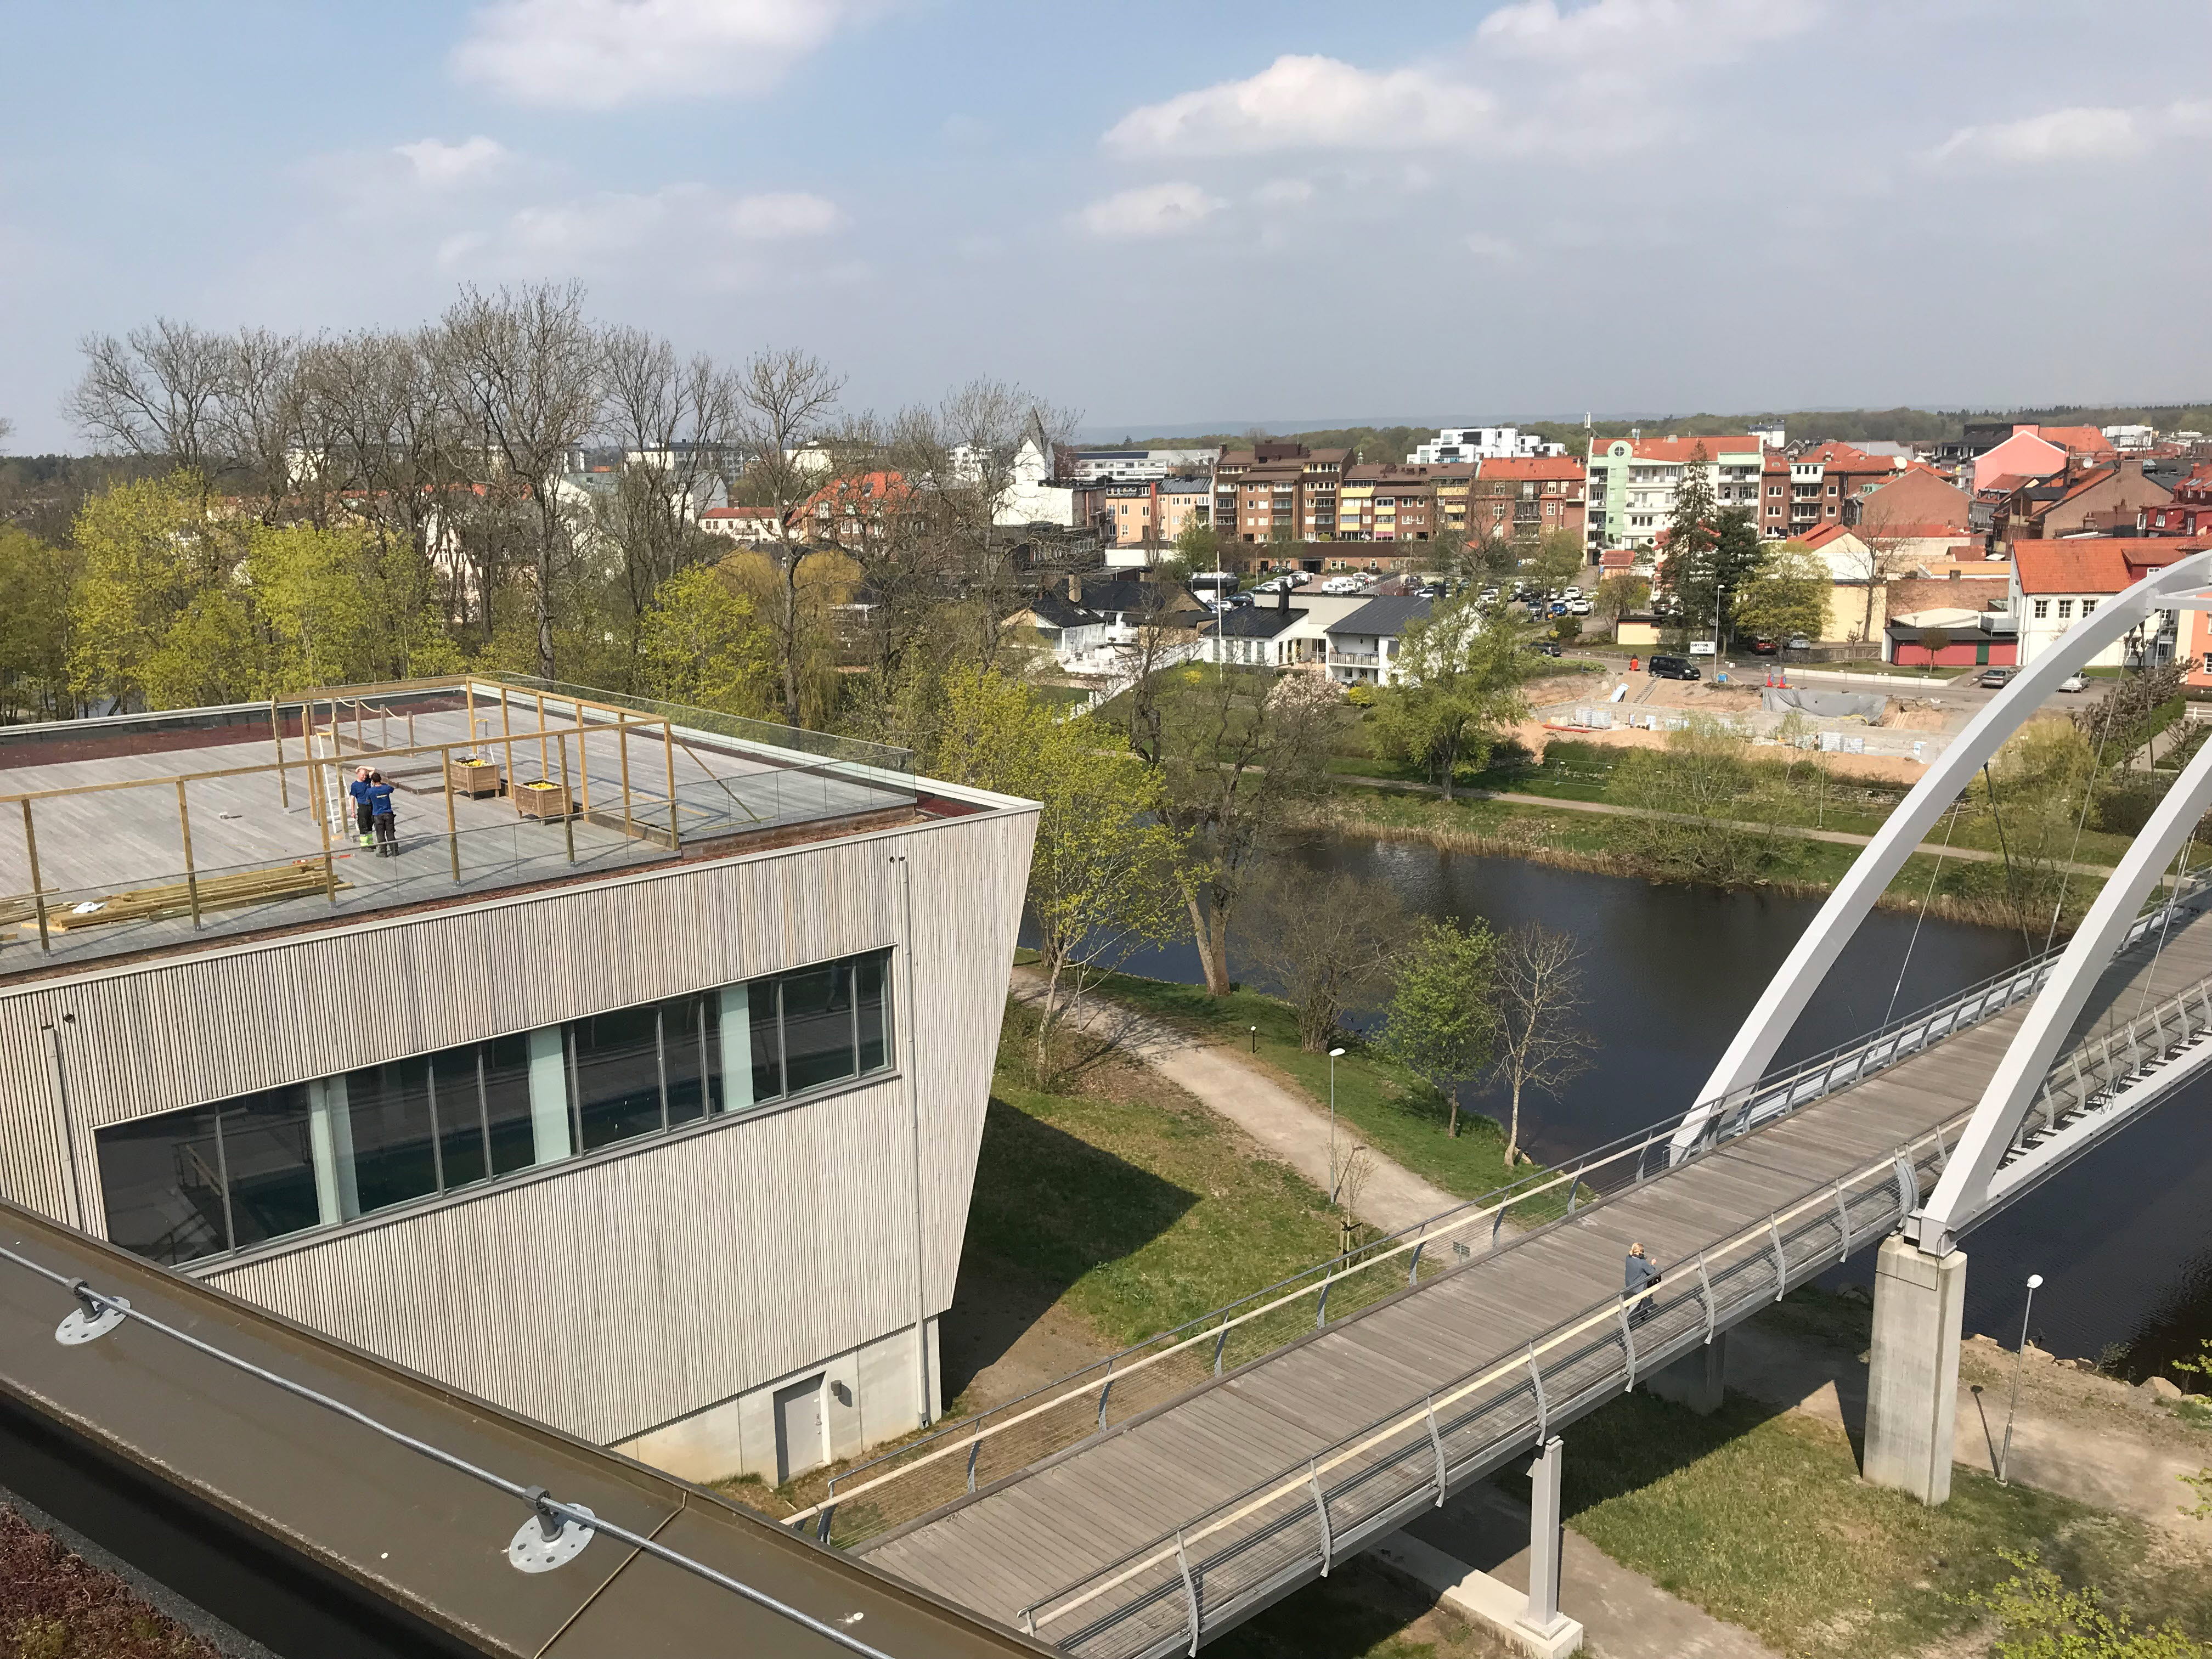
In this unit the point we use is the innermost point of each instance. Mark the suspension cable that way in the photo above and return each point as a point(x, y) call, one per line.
point(97, 1304)
point(1951, 824)
point(1989, 782)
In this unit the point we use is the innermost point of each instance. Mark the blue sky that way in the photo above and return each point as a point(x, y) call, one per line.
point(1157, 215)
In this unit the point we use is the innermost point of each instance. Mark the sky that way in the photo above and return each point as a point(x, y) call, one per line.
point(1159, 215)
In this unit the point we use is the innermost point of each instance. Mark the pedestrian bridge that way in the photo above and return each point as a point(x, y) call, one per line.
point(1141, 1508)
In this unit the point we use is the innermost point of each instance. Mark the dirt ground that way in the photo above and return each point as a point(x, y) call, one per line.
point(1533, 735)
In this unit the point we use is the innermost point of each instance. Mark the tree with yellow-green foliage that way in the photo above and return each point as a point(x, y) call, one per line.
point(38, 590)
point(1786, 596)
point(701, 642)
point(1102, 879)
point(149, 551)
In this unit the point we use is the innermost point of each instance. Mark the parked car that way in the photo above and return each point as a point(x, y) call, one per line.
point(1995, 677)
point(2072, 683)
point(1578, 606)
point(1764, 647)
point(1546, 647)
point(1799, 642)
point(1239, 601)
point(1672, 668)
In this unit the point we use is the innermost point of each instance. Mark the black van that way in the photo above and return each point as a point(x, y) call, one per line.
point(1672, 668)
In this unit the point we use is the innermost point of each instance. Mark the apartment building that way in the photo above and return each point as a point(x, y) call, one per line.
point(2057, 583)
point(1481, 443)
point(1279, 492)
point(1528, 496)
point(1819, 487)
point(2083, 499)
point(1632, 480)
point(1386, 502)
point(637, 1087)
point(2189, 513)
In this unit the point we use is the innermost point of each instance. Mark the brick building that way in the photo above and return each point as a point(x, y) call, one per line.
point(1276, 491)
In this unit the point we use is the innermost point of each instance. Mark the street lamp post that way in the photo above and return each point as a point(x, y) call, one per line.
point(1332, 1055)
point(2019, 1359)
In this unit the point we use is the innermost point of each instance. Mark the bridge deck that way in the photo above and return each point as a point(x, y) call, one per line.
point(1011, 1545)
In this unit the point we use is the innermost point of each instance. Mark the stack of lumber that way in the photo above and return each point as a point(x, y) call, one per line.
point(242, 887)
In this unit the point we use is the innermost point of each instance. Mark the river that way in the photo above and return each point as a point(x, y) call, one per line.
point(2123, 1239)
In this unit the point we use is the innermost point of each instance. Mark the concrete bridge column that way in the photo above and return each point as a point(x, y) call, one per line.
point(1912, 1387)
point(1695, 1380)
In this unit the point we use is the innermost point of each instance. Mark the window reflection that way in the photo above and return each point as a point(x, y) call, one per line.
point(209, 1179)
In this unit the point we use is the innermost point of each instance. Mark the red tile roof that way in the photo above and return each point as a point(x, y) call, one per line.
point(2081, 440)
point(1617, 558)
point(1678, 449)
point(2094, 564)
point(1534, 467)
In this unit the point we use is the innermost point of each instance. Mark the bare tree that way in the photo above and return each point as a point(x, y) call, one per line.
point(156, 392)
point(1327, 941)
point(1238, 752)
point(1538, 987)
point(524, 366)
point(786, 407)
point(258, 420)
point(1878, 558)
point(677, 422)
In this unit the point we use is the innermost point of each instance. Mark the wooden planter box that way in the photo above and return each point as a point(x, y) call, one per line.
point(473, 778)
point(541, 800)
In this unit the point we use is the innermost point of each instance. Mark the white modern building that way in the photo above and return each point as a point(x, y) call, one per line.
point(1632, 483)
point(638, 1088)
point(1095, 465)
point(1481, 443)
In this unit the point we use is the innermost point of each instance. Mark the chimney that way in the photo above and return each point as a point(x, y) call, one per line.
point(1283, 593)
point(1074, 587)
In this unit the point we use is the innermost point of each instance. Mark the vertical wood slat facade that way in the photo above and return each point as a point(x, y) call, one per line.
point(609, 1294)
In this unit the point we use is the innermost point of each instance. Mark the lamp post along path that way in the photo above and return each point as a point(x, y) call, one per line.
point(2019, 1359)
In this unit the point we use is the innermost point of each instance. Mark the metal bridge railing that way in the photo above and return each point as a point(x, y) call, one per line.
point(2109, 1061)
point(962, 1457)
point(1165, 1596)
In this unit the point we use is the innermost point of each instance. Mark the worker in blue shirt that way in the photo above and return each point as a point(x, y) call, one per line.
point(383, 813)
point(364, 819)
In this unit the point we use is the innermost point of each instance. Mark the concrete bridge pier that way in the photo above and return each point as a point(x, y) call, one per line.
point(1695, 1380)
point(1912, 1384)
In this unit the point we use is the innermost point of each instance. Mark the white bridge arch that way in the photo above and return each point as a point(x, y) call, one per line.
point(1972, 1181)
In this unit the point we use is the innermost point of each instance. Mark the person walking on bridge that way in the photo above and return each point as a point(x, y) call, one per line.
point(1642, 1274)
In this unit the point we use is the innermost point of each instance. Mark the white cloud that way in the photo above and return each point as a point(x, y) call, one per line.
point(1642, 31)
point(1167, 210)
point(1494, 249)
point(442, 166)
point(1284, 193)
point(691, 223)
point(599, 54)
point(2078, 134)
point(1307, 103)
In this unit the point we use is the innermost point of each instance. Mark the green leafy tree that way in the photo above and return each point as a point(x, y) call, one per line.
point(1103, 876)
point(1559, 559)
point(1460, 672)
point(1620, 594)
point(701, 642)
point(149, 551)
point(1786, 595)
point(1711, 577)
point(38, 595)
point(1442, 1024)
point(1197, 544)
point(208, 655)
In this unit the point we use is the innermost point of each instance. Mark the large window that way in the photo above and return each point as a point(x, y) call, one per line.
point(225, 1176)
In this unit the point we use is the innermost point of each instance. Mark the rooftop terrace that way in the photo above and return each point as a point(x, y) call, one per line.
point(139, 832)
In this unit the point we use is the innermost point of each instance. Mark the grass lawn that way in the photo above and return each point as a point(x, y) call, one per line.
point(1149, 1208)
point(1761, 1519)
point(1379, 1103)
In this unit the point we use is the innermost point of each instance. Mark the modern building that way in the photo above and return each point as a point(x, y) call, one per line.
point(1277, 492)
point(1363, 646)
point(635, 1083)
point(1481, 443)
point(1632, 480)
point(753, 526)
point(1090, 465)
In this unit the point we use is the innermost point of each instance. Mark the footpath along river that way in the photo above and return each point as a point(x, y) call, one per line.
point(2123, 1240)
